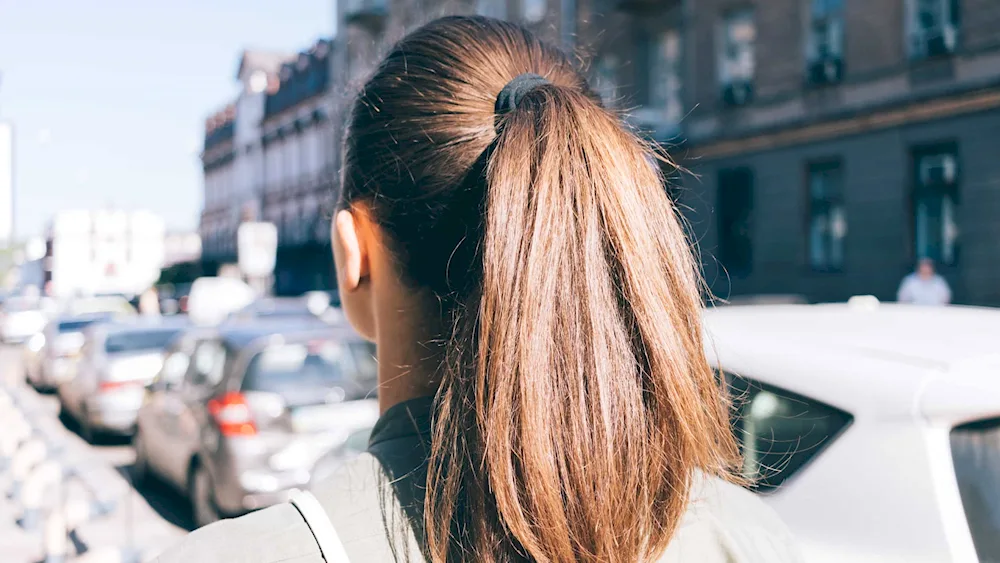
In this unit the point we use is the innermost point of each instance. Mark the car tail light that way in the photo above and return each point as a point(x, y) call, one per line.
point(232, 413)
point(106, 386)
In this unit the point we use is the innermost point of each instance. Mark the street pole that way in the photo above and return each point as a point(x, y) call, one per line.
point(9, 241)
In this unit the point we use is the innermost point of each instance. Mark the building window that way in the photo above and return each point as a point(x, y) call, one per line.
point(533, 11)
point(665, 75)
point(933, 27)
point(492, 8)
point(825, 41)
point(827, 220)
point(606, 79)
point(735, 220)
point(935, 205)
point(736, 60)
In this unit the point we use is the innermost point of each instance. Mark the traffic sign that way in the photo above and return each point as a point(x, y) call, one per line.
point(257, 245)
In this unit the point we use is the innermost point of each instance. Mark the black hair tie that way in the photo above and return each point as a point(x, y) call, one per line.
point(515, 90)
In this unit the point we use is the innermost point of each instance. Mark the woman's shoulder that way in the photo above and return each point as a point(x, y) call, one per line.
point(270, 535)
point(351, 499)
point(726, 523)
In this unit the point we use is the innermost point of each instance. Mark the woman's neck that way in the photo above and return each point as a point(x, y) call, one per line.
point(407, 358)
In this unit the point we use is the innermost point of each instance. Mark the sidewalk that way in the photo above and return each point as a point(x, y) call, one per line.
point(133, 528)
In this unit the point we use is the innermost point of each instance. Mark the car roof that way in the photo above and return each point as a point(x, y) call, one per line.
point(881, 358)
point(242, 334)
point(276, 303)
point(930, 337)
point(83, 317)
point(140, 323)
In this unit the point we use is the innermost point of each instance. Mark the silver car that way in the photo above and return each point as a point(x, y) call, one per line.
point(116, 363)
point(51, 355)
point(242, 417)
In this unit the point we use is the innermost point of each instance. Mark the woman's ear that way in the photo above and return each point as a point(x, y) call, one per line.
point(349, 251)
point(352, 243)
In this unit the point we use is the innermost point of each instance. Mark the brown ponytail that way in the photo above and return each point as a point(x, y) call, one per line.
point(575, 402)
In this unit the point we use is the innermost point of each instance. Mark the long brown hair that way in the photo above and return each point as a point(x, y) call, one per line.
point(575, 402)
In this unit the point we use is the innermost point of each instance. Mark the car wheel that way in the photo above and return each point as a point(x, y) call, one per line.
point(87, 431)
point(202, 505)
point(140, 468)
point(64, 416)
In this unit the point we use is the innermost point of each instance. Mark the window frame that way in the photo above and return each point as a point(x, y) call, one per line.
point(757, 485)
point(665, 79)
point(606, 80)
point(919, 191)
point(833, 20)
point(725, 77)
point(825, 204)
point(917, 36)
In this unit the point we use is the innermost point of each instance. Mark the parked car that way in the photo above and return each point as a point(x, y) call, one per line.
point(240, 416)
point(50, 355)
point(110, 303)
point(872, 429)
point(309, 308)
point(116, 363)
point(21, 318)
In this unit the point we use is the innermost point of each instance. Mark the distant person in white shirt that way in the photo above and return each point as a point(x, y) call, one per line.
point(924, 287)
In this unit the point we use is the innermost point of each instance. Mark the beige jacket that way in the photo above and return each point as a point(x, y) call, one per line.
point(724, 524)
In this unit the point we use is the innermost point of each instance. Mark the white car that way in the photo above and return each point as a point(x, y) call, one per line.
point(872, 429)
point(22, 318)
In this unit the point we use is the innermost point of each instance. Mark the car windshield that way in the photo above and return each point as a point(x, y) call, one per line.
point(975, 450)
point(139, 340)
point(76, 325)
point(283, 313)
point(323, 364)
point(101, 305)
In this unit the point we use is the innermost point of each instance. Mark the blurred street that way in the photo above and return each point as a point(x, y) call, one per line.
point(144, 521)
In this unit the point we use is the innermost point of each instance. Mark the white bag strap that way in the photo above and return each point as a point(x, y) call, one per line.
point(322, 528)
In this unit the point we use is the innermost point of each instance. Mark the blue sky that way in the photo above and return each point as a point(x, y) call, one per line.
point(108, 97)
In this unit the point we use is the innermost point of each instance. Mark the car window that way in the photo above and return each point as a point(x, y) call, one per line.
point(175, 365)
point(139, 340)
point(975, 451)
point(75, 325)
point(207, 364)
point(778, 431)
point(320, 364)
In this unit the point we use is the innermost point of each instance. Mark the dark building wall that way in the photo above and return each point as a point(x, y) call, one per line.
point(779, 48)
point(980, 24)
point(878, 185)
point(878, 69)
point(874, 36)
